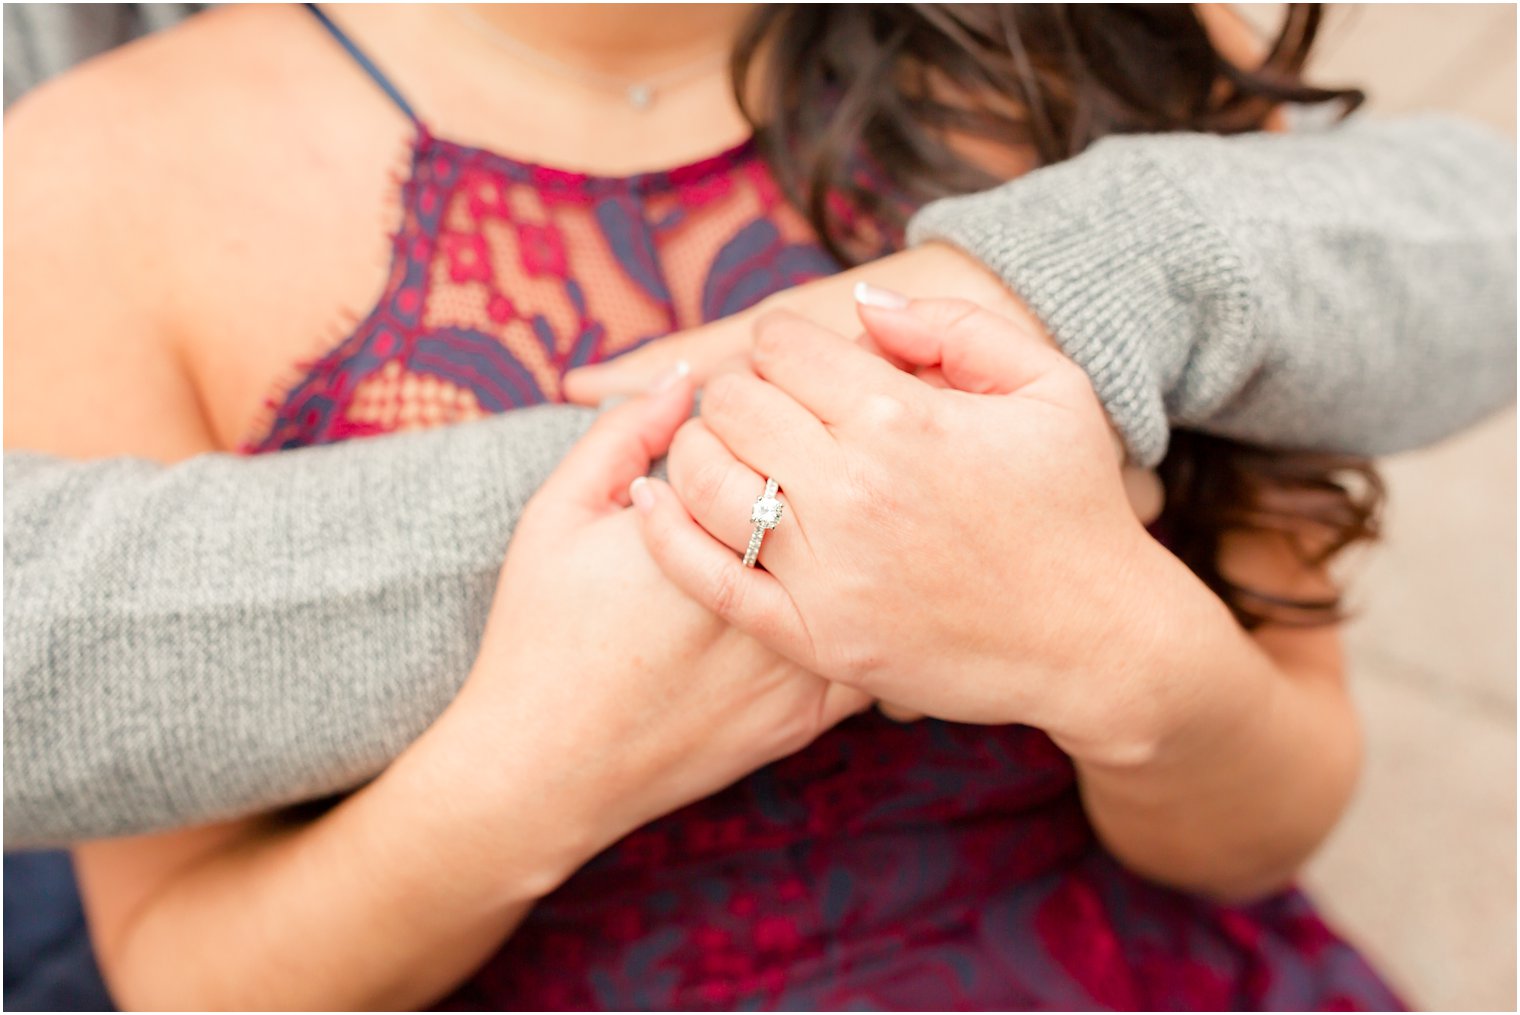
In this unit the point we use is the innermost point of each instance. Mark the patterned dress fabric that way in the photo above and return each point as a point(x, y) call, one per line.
point(928, 865)
point(506, 275)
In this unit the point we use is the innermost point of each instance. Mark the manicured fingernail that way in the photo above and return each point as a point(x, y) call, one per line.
point(668, 379)
point(641, 495)
point(868, 295)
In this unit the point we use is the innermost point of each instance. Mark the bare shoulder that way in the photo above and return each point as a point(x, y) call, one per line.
point(155, 195)
point(158, 116)
point(113, 172)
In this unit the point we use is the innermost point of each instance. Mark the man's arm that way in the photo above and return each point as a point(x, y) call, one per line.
point(221, 636)
point(1348, 289)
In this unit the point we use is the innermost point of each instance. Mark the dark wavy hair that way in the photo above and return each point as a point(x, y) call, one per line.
point(862, 111)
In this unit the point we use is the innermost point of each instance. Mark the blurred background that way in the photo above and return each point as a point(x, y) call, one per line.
point(1421, 873)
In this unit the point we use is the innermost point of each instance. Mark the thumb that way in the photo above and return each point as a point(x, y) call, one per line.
point(976, 350)
point(620, 446)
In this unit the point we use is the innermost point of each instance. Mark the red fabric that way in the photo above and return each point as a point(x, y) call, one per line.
point(929, 865)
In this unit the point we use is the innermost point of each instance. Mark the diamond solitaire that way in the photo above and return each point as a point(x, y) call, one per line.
point(764, 515)
point(767, 512)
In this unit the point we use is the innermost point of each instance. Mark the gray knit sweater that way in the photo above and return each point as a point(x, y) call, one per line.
point(227, 635)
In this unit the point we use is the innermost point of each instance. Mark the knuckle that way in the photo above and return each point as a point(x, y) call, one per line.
point(720, 395)
point(884, 412)
point(900, 416)
point(772, 336)
point(704, 486)
point(958, 313)
point(776, 321)
point(684, 453)
point(681, 443)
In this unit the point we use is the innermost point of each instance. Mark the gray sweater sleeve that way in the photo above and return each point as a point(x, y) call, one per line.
point(1347, 289)
point(226, 635)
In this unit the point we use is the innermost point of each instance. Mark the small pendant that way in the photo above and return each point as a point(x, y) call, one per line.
point(640, 96)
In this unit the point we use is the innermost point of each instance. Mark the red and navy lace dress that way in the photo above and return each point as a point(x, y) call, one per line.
point(929, 865)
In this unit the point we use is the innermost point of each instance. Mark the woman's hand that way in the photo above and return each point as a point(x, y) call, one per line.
point(610, 691)
point(971, 554)
point(602, 698)
point(980, 535)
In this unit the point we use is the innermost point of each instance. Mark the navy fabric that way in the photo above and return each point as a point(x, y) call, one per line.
point(49, 965)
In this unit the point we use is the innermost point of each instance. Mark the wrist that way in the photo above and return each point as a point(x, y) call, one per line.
point(483, 784)
point(1182, 671)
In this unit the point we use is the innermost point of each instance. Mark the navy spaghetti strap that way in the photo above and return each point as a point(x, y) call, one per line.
point(364, 62)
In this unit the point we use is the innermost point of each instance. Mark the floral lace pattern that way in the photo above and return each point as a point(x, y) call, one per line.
point(928, 865)
point(506, 275)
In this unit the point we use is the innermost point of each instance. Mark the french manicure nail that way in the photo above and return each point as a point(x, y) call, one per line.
point(641, 495)
point(868, 295)
point(668, 379)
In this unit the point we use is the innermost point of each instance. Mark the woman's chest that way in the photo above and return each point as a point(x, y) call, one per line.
point(490, 280)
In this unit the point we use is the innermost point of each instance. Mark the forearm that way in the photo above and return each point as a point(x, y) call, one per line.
point(1348, 289)
point(1232, 801)
point(387, 901)
point(328, 601)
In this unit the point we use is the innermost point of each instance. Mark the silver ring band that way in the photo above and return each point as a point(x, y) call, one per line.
point(765, 515)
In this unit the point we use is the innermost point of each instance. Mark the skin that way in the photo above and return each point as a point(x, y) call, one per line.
point(930, 269)
point(1208, 758)
point(122, 298)
point(144, 295)
point(406, 886)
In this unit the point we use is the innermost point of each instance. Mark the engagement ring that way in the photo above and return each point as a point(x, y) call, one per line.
point(765, 515)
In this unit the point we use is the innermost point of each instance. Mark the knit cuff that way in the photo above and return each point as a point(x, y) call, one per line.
point(1121, 266)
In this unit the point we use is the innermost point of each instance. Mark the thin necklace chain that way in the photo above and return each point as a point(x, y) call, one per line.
point(639, 93)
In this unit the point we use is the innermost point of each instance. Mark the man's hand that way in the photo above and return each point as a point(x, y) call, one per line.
point(982, 538)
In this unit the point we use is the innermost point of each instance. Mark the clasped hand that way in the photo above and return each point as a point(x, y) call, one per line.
point(957, 542)
point(968, 551)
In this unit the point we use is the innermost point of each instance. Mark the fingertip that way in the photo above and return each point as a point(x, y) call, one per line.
point(658, 506)
point(879, 298)
point(671, 378)
point(582, 386)
point(640, 495)
point(770, 334)
point(900, 335)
